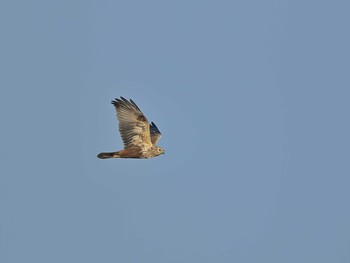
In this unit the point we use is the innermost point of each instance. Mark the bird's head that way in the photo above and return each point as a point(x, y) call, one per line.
point(158, 150)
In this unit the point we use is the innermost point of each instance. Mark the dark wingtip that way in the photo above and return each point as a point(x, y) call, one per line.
point(154, 128)
point(118, 101)
point(154, 125)
point(122, 99)
point(134, 104)
point(115, 102)
point(125, 103)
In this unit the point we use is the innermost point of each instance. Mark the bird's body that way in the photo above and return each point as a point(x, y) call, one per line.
point(139, 137)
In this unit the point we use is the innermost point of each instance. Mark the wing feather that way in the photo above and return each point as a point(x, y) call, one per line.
point(155, 133)
point(133, 125)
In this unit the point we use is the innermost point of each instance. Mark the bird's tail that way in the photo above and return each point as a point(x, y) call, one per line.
point(108, 155)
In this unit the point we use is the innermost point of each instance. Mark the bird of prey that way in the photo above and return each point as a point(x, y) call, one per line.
point(139, 137)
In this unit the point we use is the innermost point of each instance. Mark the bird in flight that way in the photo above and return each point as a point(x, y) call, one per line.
point(139, 136)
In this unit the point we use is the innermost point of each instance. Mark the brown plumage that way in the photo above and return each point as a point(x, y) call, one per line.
point(139, 137)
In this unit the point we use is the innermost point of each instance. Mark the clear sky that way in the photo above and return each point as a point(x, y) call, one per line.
point(252, 99)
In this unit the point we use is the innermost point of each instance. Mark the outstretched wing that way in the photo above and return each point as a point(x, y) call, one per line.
point(133, 125)
point(155, 133)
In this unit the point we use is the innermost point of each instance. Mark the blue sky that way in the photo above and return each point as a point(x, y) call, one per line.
point(252, 99)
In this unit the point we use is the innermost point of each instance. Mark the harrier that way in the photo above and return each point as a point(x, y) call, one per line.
point(139, 137)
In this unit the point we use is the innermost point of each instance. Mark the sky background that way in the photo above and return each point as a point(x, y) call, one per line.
point(252, 99)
